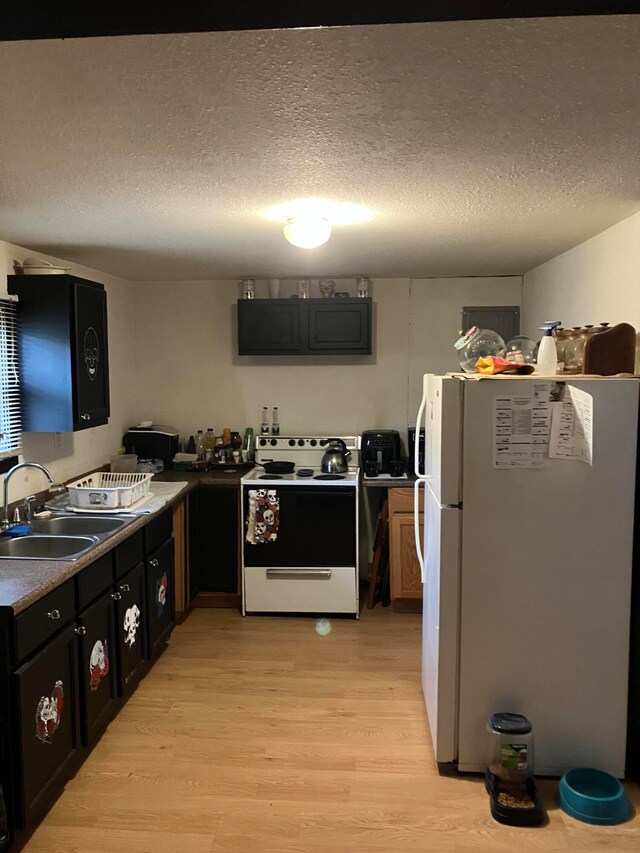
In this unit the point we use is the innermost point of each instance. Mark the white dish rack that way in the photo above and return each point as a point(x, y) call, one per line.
point(108, 490)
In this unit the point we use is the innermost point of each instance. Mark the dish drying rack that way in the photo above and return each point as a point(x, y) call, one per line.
point(108, 490)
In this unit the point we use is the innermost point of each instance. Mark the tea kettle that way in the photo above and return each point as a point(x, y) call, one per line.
point(335, 457)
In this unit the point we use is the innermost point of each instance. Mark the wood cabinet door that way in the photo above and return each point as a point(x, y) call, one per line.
point(46, 690)
point(98, 667)
point(160, 572)
point(269, 327)
point(131, 618)
point(90, 356)
point(405, 569)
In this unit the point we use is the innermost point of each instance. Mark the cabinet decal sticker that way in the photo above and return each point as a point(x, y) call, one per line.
point(98, 664)
point(131, 624)
point(49, 713)
point(91, 352)
point(161, 593)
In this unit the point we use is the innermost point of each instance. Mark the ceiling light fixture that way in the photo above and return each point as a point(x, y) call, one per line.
point(306, 231)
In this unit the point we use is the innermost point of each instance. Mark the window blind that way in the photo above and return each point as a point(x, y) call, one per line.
point(10, 431)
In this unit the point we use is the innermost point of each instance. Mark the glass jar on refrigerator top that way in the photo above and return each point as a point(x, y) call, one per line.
point(510, 747)
point(478, 343)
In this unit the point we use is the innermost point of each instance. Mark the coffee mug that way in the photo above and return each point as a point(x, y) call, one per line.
point(396, 467)
point(371, 469)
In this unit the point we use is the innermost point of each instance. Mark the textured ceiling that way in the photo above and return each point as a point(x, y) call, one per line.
point(480, 147)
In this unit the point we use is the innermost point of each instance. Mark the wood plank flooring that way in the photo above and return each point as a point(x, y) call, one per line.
point(259, 734)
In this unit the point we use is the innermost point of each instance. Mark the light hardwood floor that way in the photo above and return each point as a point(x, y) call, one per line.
point(259, 734)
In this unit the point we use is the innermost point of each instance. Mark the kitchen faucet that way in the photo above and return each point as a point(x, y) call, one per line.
point(6, 524)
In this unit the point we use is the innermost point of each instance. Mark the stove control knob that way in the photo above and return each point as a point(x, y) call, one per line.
point(291, 442)
point(323, 441)
point(274, 441)
point(301, 442)
point(313, 442)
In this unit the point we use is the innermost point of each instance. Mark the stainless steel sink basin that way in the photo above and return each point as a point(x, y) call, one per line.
point(78, 525)
point(34, 547)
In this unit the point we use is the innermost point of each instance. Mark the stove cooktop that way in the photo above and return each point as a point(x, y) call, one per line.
point(302, 476)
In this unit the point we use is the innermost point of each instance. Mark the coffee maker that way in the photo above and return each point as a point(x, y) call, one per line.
point(380, 447)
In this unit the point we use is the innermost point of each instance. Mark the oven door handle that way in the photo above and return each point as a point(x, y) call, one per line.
point(298, 574)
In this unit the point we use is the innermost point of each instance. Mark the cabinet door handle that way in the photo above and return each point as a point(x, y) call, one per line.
point(116, 596)
point(54, 614)
point(125, 587)
point(154, 562)
point(86, 417)
point(81, 630)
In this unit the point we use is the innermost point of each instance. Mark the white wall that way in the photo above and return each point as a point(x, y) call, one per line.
point(189, 376)
point(597, 281)
point(188, 373)
point(434, 321)
point(81, 451)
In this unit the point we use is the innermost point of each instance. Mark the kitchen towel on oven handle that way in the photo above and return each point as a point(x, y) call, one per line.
point(263, 518)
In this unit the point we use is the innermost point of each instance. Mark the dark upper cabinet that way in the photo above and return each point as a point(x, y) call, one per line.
point(339, 325)
point(63, 348)
point(213, 540)
point(304, 326)
point(269, 326)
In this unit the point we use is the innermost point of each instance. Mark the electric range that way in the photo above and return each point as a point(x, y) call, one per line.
point(300, 530)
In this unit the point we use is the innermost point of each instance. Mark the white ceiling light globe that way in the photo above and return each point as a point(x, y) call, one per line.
point(307, 232)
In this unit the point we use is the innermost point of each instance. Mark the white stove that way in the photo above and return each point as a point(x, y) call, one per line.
point(306, 453)
point(300, 530)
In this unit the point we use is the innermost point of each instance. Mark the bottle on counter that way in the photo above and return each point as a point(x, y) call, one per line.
point(247, 445)
point(275, 424)
point(264, 426)
point(209, 444)
point(200, 449)
point(191, 445)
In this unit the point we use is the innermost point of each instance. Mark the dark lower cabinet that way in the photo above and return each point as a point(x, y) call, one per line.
point(69, 661)
point(98, 667)
point(46, 690)
point(131, 619)
point(160, 573)
point(213, 540)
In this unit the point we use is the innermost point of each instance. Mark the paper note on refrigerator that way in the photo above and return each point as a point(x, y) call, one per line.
point(572, 427)
point(521, 428)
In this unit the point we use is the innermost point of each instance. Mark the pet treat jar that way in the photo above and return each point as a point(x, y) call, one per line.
point(510, 747)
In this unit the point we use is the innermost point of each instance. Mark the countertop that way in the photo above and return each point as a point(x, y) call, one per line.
point(377, 483)
point(23, 582)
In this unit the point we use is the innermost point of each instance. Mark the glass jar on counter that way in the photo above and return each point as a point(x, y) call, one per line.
point(249, 288)
point(510, 747)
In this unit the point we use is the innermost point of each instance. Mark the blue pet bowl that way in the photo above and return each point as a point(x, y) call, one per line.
point(593, 797)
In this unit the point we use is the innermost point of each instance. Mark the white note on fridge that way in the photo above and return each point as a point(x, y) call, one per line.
point(572, 427)
point(521, 428)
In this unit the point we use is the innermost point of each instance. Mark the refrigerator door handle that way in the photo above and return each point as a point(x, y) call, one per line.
point(416, 525)
point(416, 443)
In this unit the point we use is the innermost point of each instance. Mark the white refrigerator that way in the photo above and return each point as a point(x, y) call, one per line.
point(526, 571)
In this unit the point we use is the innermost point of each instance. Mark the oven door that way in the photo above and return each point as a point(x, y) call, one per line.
point(317, 528)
